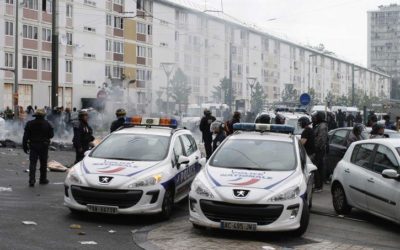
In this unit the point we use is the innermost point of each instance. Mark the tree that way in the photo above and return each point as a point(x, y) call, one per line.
point(330, 98)
point(289, 94)
point(257, 98)
point(342, 101)
point(221, 91)
point(313, 95)
point(179, 89)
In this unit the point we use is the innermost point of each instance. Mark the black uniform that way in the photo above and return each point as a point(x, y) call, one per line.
point(83, 135)
point(218, 140)
point(207, 135)
point(36, 140)
point(117, 124)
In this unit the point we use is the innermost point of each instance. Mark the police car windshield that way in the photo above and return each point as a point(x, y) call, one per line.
point(255, 155)
point(133, 147)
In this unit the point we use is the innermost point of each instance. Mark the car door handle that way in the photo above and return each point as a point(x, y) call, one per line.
point(371, 180)
point(347, 170)
point(197, 158)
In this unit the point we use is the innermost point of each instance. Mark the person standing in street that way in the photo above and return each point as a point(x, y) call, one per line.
point(120, 113)
point(235, 119)
point(35, 142)
point(217, 128)
point(321, 140)
point(341, 117)
point(205, 124)
point(83, 136)
point(356, 134)
point(307, 136)
point(358, 118)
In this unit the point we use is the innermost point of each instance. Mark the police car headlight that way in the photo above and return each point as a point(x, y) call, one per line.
point(286, 195)
point(201, 189)
point(148, 181)
point(73, 177)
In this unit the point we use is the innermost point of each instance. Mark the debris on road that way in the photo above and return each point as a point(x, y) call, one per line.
point(27, 222)
point(81, 233)
point(26, 170)
point(88, 242)
point(75, 226)
point(112, 231)
point(55, 166)
point(5, 189)
point(52, 148)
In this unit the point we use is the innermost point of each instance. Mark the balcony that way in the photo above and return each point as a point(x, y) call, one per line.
point(46, 76)
point(141, 37)
point(46, 17)
point(141, 60)
point(9, 41)
point(46, 46)
point(30, 74)
point(30, 14)
point(30, 44)
point(117, 8)
point(118, 57)
point(9, 10)
point(118, 32)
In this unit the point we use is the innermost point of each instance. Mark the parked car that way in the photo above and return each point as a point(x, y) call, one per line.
point(338, 140)
point(368, 178)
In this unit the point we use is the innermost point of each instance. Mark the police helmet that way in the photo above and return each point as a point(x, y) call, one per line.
point(206, 112)
point(304, 121)
point(39, 113)
point(217, 125)
point(376, 127)
point(82, 114)
point(264, 119)
point(120, 112)
point(279, 119)
point(358, 129)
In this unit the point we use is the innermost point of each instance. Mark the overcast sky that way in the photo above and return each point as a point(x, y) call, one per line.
point(341, 25)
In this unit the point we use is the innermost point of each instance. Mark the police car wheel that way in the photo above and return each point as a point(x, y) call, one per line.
point(168, 204)
point(305, 219)
point(339, 199)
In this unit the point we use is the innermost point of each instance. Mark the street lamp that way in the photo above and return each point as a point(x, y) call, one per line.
point(168, 68)
point(251, 81)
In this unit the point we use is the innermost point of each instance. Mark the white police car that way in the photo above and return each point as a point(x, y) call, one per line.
point(259, 179)
point(141, 169)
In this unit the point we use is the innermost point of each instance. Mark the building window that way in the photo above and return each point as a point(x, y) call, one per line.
point(89, 82)
point(46, 35)
point(117, 72)
point(9, 1)
point(149, 75)
point(89, 55)
point(90, 3)
point(30, 32)
point(109, 20)
point(141, 28)
point(141, 51)
point(120, 2)
point(31, 4)
point(150, 53)
point(69, 38)
point(149, 30)
point(69, 10)
point(29, 62)
point(8, 60)
point(9, 26)
point(68, 66)
point(46, 64)
point(118, 47)
point(89, 29)
point(141, 75)
point(118, 22)
point(108, 71)
point(140, 4)
point(47, 6)
point(108, 45)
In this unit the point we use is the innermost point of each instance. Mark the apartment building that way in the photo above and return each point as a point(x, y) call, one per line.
point(94, 38)
point(202, 42)
point(383, 42)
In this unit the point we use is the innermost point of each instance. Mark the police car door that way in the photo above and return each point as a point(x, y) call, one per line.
point(188, 171)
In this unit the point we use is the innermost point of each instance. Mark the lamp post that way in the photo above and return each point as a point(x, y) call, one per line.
point(168, 68)
point(251, 81)
point(309, 70)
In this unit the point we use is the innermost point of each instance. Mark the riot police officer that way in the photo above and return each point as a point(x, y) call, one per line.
point(264, 119)
point(83, 136)
point(36, 140)
point(120, 113)
point(217, 128)
point(206, 132)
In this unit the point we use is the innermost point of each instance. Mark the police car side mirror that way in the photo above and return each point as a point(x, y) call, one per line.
point(390, 174)
point(183, 160)
point(87, 152)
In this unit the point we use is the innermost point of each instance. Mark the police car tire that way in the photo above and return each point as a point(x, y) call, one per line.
point(339, 199)
point(167, 204)
point(304, 220)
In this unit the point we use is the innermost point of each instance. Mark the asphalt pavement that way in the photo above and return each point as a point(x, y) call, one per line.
point(44, 206)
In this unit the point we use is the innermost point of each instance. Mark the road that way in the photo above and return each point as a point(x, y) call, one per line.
point(44, 205)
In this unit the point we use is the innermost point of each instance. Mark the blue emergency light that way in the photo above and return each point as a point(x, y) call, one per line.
point(149, 122)
point(275, 128)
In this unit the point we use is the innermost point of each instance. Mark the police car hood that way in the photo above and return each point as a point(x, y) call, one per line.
point(121, 172)
point(243, 178)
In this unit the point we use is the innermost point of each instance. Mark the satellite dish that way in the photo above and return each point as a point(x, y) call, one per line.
point(63, 40)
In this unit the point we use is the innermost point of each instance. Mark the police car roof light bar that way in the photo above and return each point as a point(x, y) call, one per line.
point(149, 122)
point(275, 128)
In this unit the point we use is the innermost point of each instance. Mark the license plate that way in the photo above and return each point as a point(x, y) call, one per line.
point(240, 226)
point(102, 209)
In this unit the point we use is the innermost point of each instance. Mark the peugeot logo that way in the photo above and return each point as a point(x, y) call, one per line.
point(105, 179)
point(240, 193)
